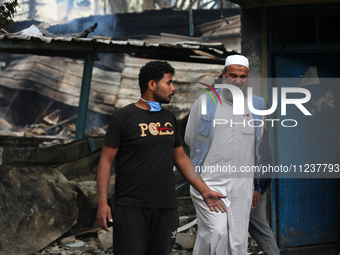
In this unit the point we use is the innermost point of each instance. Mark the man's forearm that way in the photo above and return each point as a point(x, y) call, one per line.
point(211, 198)
point(103, 173)
point(103, 182)
point(187, 169)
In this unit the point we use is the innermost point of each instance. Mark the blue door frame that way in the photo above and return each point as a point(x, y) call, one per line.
point(305, 211)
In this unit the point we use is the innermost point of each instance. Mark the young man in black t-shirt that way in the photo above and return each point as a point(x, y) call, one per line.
point(145, 141)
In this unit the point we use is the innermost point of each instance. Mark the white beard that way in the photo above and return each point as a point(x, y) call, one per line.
point(226, 93)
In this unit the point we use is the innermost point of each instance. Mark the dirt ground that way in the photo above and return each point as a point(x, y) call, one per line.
point(329, 249)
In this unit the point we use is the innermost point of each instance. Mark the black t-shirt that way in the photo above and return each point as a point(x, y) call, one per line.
point(144, 165)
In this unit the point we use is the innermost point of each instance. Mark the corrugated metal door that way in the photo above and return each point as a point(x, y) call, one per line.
point(306, 209)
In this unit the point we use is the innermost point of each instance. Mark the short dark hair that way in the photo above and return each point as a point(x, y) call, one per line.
point(155, 71)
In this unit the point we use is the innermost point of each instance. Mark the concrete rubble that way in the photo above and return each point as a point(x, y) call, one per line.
point(51, 132)
point(48, 195)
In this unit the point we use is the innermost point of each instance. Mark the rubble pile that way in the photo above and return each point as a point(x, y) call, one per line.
point(47, 192)
point(48, 201)
point(52, 130)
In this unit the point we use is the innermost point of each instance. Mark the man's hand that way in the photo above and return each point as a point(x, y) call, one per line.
point(214, 202)
point(103, 214)
point(256, 199)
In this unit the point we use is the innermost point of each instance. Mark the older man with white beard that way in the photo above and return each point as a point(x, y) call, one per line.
point(233, 147)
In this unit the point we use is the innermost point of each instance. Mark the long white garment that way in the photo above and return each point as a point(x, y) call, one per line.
point(232, 147)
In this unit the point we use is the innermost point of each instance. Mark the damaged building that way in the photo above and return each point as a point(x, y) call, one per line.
point(58, 92)
point(40, 95)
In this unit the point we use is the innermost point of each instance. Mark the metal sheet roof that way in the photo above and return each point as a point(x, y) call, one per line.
point(72, 47)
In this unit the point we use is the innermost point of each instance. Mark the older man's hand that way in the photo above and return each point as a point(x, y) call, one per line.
point(256, 199)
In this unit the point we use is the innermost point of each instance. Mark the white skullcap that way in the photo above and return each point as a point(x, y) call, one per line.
point(237, 60)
